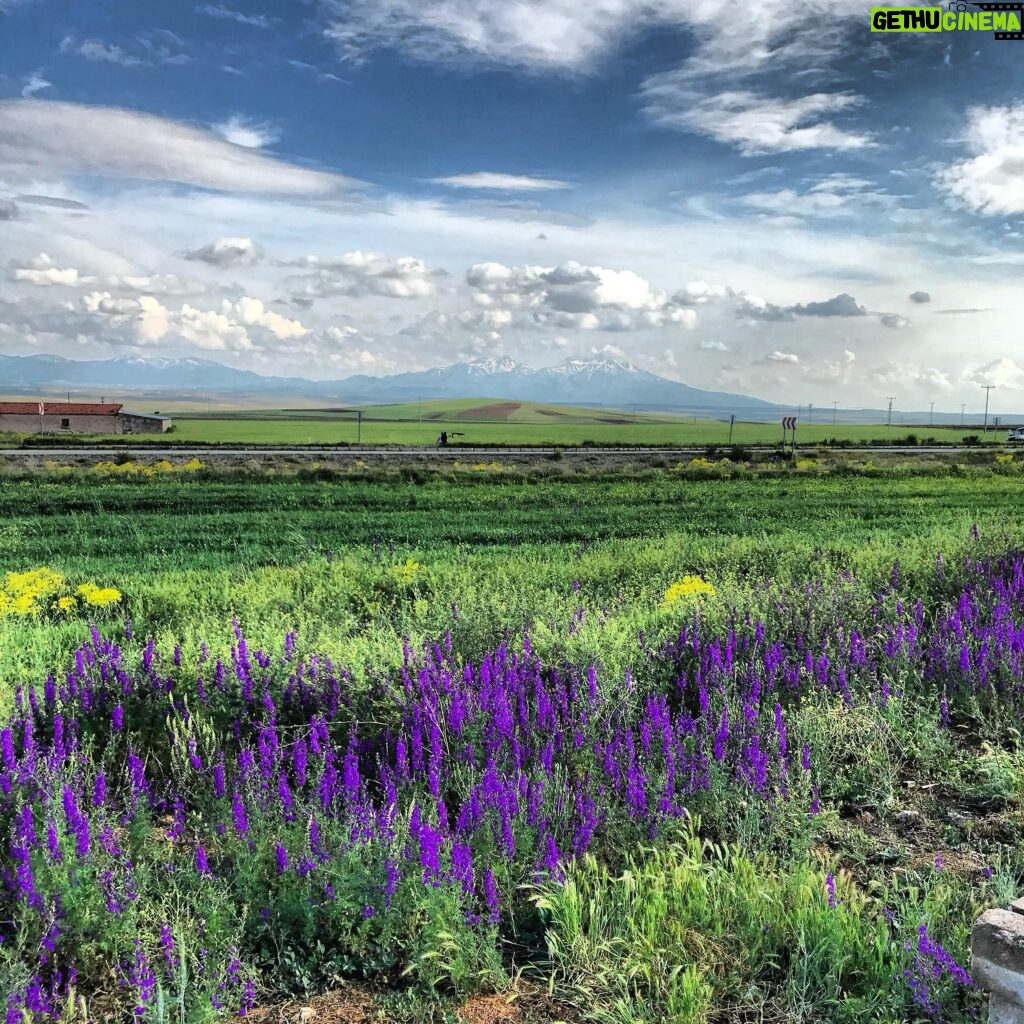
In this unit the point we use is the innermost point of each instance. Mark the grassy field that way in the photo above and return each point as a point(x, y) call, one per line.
point(667, 745)
point(400, 425)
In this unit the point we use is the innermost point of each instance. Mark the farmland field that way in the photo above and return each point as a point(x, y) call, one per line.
point(688, 744)
point(489, 422)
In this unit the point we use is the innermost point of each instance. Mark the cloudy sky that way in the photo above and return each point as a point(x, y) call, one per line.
point(766, 198)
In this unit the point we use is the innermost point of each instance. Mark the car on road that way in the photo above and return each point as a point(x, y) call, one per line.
point(1016, 434)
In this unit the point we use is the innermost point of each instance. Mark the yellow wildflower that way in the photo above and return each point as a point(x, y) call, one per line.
point(407, 573)
point(98, 597)
point(686, 591)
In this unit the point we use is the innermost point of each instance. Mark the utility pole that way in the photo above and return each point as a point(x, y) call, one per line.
point(931, 413)
point(810, 412)
point(835, 406)
point(988, 388)
point(359, 427)
point(891, 399)
point(963, 405)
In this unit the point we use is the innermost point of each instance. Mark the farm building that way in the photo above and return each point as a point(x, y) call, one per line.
point(77, 418)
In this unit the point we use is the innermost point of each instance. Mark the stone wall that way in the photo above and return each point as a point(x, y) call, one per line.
point(20, 423)
point(143, 424)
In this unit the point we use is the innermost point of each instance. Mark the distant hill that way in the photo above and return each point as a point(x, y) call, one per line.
point(599, 382)
point(596, 383)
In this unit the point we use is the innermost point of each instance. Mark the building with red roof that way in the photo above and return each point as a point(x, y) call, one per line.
point(43, 417)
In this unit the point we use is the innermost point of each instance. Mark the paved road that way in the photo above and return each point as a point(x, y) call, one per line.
point(449, 453)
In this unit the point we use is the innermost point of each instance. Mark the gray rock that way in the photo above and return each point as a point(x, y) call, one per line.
point(997, 963)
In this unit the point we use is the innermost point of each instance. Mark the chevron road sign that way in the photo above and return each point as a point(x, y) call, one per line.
point(789, 423)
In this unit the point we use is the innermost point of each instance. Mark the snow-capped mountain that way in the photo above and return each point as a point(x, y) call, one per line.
point(594, 382)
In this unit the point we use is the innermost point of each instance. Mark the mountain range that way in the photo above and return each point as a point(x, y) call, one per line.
point(598, 382)
point(605, 383)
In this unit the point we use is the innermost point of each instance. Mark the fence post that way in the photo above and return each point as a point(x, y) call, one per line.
point(997, 962)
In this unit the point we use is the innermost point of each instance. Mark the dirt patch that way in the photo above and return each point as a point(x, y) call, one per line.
point(349, 1005)
point(496, 411)
point(490, 1010)
point(355, 1004)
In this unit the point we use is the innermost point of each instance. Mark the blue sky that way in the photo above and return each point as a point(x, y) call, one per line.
point(764, 198)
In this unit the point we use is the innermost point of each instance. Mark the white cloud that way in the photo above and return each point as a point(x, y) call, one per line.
point(98, 51)
point(210, 330)
point(342, 334)
point(156, 284)
point(240, 131)
point(253, 313)
point(361, 273)
point(1002, 372)
point(572, 295)
point(990, 180)
point(230, 14)
point(922, 379)
point(733, 44)
point(714, 346)
point(156, 47)
point(41, 140)
point(228, 252)
point(752, 121)
point(151, 321)
point(565, 36)
point(148, 319)
point(782, 357)
point(33, 84)
point(43, 272)
point(502, 182)
point(699, 292)
point(836, 195)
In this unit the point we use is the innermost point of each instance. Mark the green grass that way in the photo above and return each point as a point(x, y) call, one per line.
point(284, 431)
point(90, 521)
point(726, 917)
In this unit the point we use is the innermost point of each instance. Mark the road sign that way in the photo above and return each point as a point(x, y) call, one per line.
point(789, 423)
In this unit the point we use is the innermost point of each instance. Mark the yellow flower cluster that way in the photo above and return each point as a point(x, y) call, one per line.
point(686, 591)
point(25, 593)
point(1004, 458)
point(29, 594)
point(98, 597)
point(806, 464)
point(406, 573)
point(148, 468)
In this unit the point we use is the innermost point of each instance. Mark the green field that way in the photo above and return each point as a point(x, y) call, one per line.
point(857, 632)
point(489, 422)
